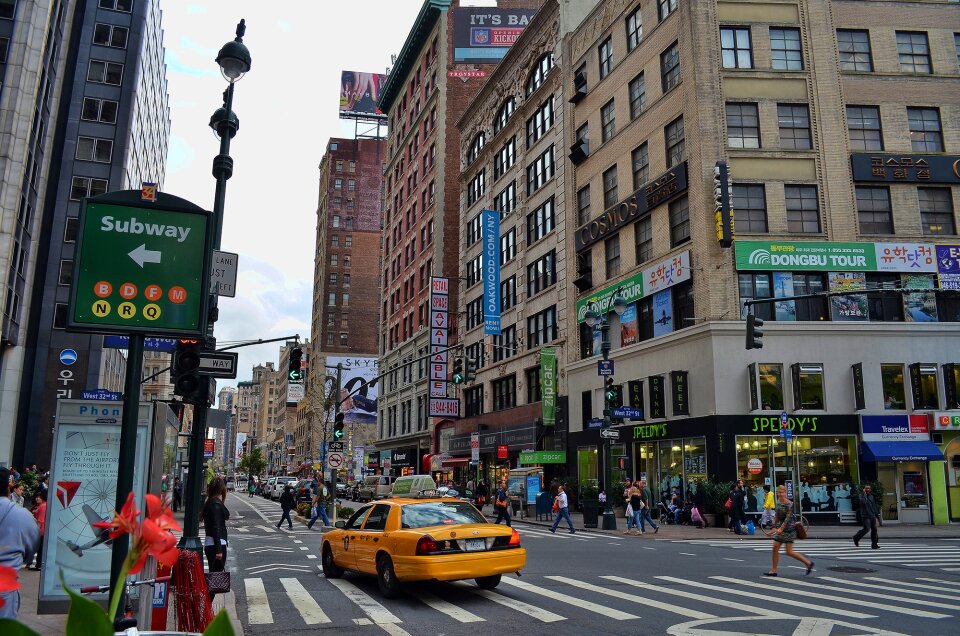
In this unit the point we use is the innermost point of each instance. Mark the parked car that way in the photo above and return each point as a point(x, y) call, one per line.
point(304, 490)
point(267, 489)
point(279, 485)
point(375, 487)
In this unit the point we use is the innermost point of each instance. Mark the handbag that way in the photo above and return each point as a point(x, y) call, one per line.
point(629, 512)
point(556, 506)
point(729, 504)
point(801, 531)
point(218, 582)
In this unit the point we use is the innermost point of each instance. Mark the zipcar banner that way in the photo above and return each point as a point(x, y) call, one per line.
point(663, 275)
point(360, 375)
point(483, 35)
point(491, 272)
point(548, 384)
point(822, 256)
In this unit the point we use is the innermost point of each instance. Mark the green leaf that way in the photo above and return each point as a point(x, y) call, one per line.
point(220, 626)
point(85, 618)
point(10, 627)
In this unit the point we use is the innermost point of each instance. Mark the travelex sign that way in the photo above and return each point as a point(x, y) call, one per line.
point(663, 275)
point(822, 256)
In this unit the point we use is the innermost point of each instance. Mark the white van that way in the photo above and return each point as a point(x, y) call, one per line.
point(375, 487)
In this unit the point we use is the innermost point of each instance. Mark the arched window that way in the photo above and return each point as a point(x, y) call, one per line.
point(504, 114)
point(475, 146)
point(539, 73)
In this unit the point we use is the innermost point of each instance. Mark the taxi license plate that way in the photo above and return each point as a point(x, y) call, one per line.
point(476, 545)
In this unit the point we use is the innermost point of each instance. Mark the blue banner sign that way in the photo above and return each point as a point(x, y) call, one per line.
point(595, 422)
point(149, 343)
point(491, 272)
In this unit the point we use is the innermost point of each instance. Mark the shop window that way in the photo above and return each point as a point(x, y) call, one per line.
point(923, 383)
point(891, 376)
point(771, 386)
point(587, 465)
point(951, 383)
point(884, 306)
point(808, 390)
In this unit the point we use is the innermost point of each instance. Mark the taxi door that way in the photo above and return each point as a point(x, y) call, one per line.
point(344, 548)
point(370, 538)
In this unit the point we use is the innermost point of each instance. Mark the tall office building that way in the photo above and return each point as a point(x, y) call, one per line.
point(83, 110)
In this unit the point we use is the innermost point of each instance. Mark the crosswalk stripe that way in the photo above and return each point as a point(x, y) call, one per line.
point(267, 528)
point(545, 532)
point(377, 612)
point(899, 587)
point(580, 604)
point(780, 587)
point(875, 595)
point(542, 615)
point(448, 608)
point(305, 604)
point(393, 630)
point(784, 602)
point(723, 602)
point(929, 580)
point(632, 597)
point(258, 607)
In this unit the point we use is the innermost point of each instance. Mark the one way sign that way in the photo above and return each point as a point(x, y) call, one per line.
point(218, 364)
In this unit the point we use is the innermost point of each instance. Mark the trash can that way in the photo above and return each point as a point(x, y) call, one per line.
point(591, 512)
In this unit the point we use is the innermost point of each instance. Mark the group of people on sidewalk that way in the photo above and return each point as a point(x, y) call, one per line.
point(638, 498)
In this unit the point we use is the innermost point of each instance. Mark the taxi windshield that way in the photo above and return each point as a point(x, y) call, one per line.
point(439, 513)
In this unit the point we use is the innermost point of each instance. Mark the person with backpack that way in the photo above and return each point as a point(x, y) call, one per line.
point(320, 501)
point(501, 502)
point(287, 503)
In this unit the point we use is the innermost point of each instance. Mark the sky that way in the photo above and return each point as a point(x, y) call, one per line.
point(288, 109)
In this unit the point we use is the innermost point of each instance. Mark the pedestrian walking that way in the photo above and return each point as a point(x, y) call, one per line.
point(785, 533)
point(287, 503)
point(215, 515)
point(40, 515)
point(636, 505)
point(251, 485)
point(501, 502)
point(16, 494)
point(646, 497)
point(177, 494)
point(19, 537)
point(769, 508)
point(870, 517)
point(483, 494)
point(320, 501)
point(560, 504)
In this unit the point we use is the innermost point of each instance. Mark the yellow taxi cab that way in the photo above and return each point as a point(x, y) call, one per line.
point(421, 537)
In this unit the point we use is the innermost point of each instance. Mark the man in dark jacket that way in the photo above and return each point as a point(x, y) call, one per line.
point(737, 516)
point(870, 516)
point(287, 503)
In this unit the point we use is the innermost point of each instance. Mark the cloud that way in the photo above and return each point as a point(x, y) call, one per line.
point(174, 64)
point(180, 154)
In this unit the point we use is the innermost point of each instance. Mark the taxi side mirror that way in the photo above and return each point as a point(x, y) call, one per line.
point(340, 524)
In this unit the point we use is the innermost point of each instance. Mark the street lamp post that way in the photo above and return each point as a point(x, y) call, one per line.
point(234, 60)
point(596, 318)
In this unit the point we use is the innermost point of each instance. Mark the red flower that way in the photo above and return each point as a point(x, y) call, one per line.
point(124, 522)
point(160, 513)
point(8, 580)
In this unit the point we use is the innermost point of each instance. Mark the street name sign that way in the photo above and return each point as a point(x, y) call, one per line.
point(628, 412)
point(609, 433)
point(218, 364)
point(141, 267)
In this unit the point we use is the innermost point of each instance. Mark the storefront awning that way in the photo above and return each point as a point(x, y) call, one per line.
point(901, 452)
point(449, 462)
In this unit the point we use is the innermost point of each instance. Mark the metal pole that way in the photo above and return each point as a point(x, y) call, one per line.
point(609, 517)
point(128, 447)
point(336, 410)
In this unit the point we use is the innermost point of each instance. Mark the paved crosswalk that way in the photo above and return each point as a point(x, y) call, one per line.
point(943, 556)
point(353, 601)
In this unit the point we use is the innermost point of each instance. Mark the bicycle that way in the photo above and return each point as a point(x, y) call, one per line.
point(127, 621)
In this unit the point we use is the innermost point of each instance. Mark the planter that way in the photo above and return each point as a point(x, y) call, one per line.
point(591, 512)
point(720, 520)
point(709, 520)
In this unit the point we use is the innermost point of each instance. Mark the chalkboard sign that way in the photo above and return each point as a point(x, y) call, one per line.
point(695, 464)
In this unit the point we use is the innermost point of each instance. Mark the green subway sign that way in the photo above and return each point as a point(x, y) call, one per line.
point(543, 457)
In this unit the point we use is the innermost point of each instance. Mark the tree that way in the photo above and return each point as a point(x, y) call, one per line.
point(253, 463)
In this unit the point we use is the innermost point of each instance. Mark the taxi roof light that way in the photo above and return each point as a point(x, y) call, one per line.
point(514, 539)
point(427, 545)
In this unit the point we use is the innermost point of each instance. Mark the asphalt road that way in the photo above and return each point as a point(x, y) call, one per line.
point(593, 583)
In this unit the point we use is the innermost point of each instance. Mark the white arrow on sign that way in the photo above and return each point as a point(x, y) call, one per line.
point(141, 255)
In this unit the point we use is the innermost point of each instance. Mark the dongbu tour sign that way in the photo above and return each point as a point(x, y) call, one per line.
point(822, 256)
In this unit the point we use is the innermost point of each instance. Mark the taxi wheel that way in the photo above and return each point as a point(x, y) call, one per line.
point(488, 582)
point(330, 569)
point(386, 577)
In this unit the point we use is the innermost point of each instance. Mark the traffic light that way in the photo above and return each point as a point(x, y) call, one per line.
point(458, 375)
point(186, 380)
point(611, 392)
point(723, 204)
point(754, 335)
point(584, 279)
point(471, 373)
point(295, 365)
point(338, 426)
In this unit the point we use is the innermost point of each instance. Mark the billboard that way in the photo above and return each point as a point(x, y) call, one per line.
point(483, 35)
point(360, 375)
point(360, 92)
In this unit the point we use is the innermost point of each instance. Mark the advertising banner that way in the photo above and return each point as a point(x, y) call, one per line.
point(783, 286)
point(360, 92)
point(822, 256)
point(948, 266)
point(360, 375)
point(906, 257)
point(892, 168)
point(440, 405)
point(662, 313)
point(919, 306)
point(663, 275)
point(846, 308)
point(548, 384)
point(895, 428)
point(483, 35)
point(629, 331)
point(491, 272)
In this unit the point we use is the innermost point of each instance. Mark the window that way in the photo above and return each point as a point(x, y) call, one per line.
point(886, 307)
point(610, 187)
point(477, 187)
point(679, 221)
point(92, 149)
point(331, 299)
point(505, 158)
point(808, 386)
point(117, 5)
point(925, 133)
point(505, 345)
point(743, 126)
point(4, 49)
point(506, 199)
point(343, 339)
point(608, 121)
point(539, 73)
point(7, 9)
point(674, 138)
point(333, 279)
point(335, 223)
point(86, 187)
point(936, 211)
point(735, 51)
point(873, 210)
point(643, 236)
point(803, 208)
point(891, 376)
point(100, 72)
point(504, 114)
point(542, 327)
point(346, 280)
point(335, 240)
point(752, 287)
point(474, 270)
point(638, 96)
point(473, 401)
point(70, 229)
point(345, 298)
point(863, 127)
point(924, 383)
point(66, 272)
point(611, 253)
point(102, 110)
point(352, 184)
point(583, 205)
point(605, 56)
point(474, 229)
point(338, 184)
point(334, 260)
point(951, 383)
point(794, 122)
point(956, 44)
point(582, 148)
point(750, 208)
point(540, 171)
point(540, 122)
point(914, 52)
point(475, 147)
point(110, 35)
point(683, 315)
point(785, 49)
point(534, 388)
point(540, 222)
point(347, 242)
point(665, 8)
point(508, 246)
point(508, 293)
point(541, 274)
point(634, 24)
point(854, 49)
point(504, 393)
point(771, 386)
point(810, 308)
point(640, 163)
point(670, 67)
point(474, 312)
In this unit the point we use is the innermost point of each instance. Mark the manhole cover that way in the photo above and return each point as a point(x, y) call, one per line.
point(851, 570)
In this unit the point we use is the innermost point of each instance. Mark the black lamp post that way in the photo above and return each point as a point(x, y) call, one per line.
point(234, 61)
point(596, 318)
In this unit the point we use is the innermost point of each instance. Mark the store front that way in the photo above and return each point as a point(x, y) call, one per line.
point(946, 432)
point(403, 461)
